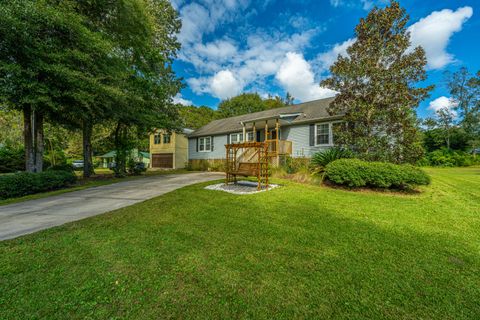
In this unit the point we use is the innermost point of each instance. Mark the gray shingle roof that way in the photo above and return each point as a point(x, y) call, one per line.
point(311, 111)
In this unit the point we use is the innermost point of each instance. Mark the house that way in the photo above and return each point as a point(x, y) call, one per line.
point(298, 130)
point(169, 150)
point(108, 159)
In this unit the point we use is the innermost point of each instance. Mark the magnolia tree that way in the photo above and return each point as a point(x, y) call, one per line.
point(378, 89)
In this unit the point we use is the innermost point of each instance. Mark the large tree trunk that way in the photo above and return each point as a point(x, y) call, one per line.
point(28, 140)
point(87, 130)
point(39, 141)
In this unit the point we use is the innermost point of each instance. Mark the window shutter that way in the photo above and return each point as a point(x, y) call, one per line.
point(228, 139)
point(197, 144)
point(312, 135)
point(258, 136)
point(211, 143)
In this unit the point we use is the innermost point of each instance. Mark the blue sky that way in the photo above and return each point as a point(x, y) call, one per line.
point(275, 46)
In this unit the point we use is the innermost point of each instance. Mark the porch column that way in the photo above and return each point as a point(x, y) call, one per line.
point(244, 132)
point(266, 130)
point(277, 131)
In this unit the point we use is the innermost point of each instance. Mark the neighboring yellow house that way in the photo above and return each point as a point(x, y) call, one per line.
point(169, 150)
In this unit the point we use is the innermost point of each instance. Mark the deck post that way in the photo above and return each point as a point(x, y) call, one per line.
point(244, 132)
point(277, 131)
point(266, 130)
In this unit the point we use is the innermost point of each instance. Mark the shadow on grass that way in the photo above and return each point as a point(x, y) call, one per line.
point(184, 255)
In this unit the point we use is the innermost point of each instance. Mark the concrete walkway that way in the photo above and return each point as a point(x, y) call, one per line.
point(29, 216)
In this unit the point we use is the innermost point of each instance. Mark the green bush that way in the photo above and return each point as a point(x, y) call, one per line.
point(62, 167)
point(24, 183)
point(12, 159)
point(358, 173)
point(293, 165)
point(449, 158)
point(322, 158)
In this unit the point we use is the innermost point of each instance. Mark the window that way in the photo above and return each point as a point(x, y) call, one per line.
point(156, 138)
point(205, 144)
point(236, 137)
point(250, 136)
point(323, 134)
point(166, 138)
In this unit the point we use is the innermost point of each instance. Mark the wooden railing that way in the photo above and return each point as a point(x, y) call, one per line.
point(279, 147)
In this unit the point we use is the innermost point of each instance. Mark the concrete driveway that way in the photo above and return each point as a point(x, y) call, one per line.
point(27, 217)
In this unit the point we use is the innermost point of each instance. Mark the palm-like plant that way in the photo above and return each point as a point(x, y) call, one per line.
point(322, 158)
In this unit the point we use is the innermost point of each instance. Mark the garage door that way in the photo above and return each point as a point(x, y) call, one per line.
point(162, 160)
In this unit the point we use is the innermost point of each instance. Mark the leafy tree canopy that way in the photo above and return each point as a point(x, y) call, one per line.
point(378, 88)
point(247, 103)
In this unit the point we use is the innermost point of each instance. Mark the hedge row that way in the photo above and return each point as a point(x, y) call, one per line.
point(358, 173)
point(24, 183)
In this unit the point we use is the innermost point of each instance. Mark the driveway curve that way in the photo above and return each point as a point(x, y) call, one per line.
point(30, 216)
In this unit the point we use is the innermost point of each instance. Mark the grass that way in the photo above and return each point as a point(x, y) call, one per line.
point(102, 177)
point(299, 251)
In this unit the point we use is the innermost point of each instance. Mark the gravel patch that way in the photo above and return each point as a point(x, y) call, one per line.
point(242, 187)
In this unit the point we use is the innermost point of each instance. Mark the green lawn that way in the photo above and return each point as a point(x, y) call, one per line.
point(299, 251)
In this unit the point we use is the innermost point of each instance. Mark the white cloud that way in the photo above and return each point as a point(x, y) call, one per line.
point(434, 32)
point(200, 19)
point(224, 85)
point(442, 103)
point(365, 4)
point(178, 99)
point(260, 58)
point(336, 3)
point(296, 76)
point(326, 59)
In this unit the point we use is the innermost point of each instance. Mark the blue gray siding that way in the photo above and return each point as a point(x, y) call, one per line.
point(218, 152)
point(300, 137)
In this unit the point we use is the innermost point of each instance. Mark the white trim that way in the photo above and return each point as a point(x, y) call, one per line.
point(205, 144)
point(238, 135)
point(330, 135)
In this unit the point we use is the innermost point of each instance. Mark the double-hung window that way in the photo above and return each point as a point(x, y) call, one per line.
point(166, 138)
point(236, 137)
point(156, 138)
point(250, 136)
point(205, 144)
point(323, 134)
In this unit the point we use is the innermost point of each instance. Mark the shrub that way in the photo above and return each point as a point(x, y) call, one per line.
point(11, 159)
point(294, 165)
point(358, 173)
point(449, 158)
point(24, 183)
point(62, 167)
point(322, 158)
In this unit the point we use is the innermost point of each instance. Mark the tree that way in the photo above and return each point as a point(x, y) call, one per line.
point(377, 89)
point(11, 132)
point(241, 104)
point(445, 120)
point(274, 102)
point(465, 92)
point(289, 99)
point(51, 65)
point(196, 117)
